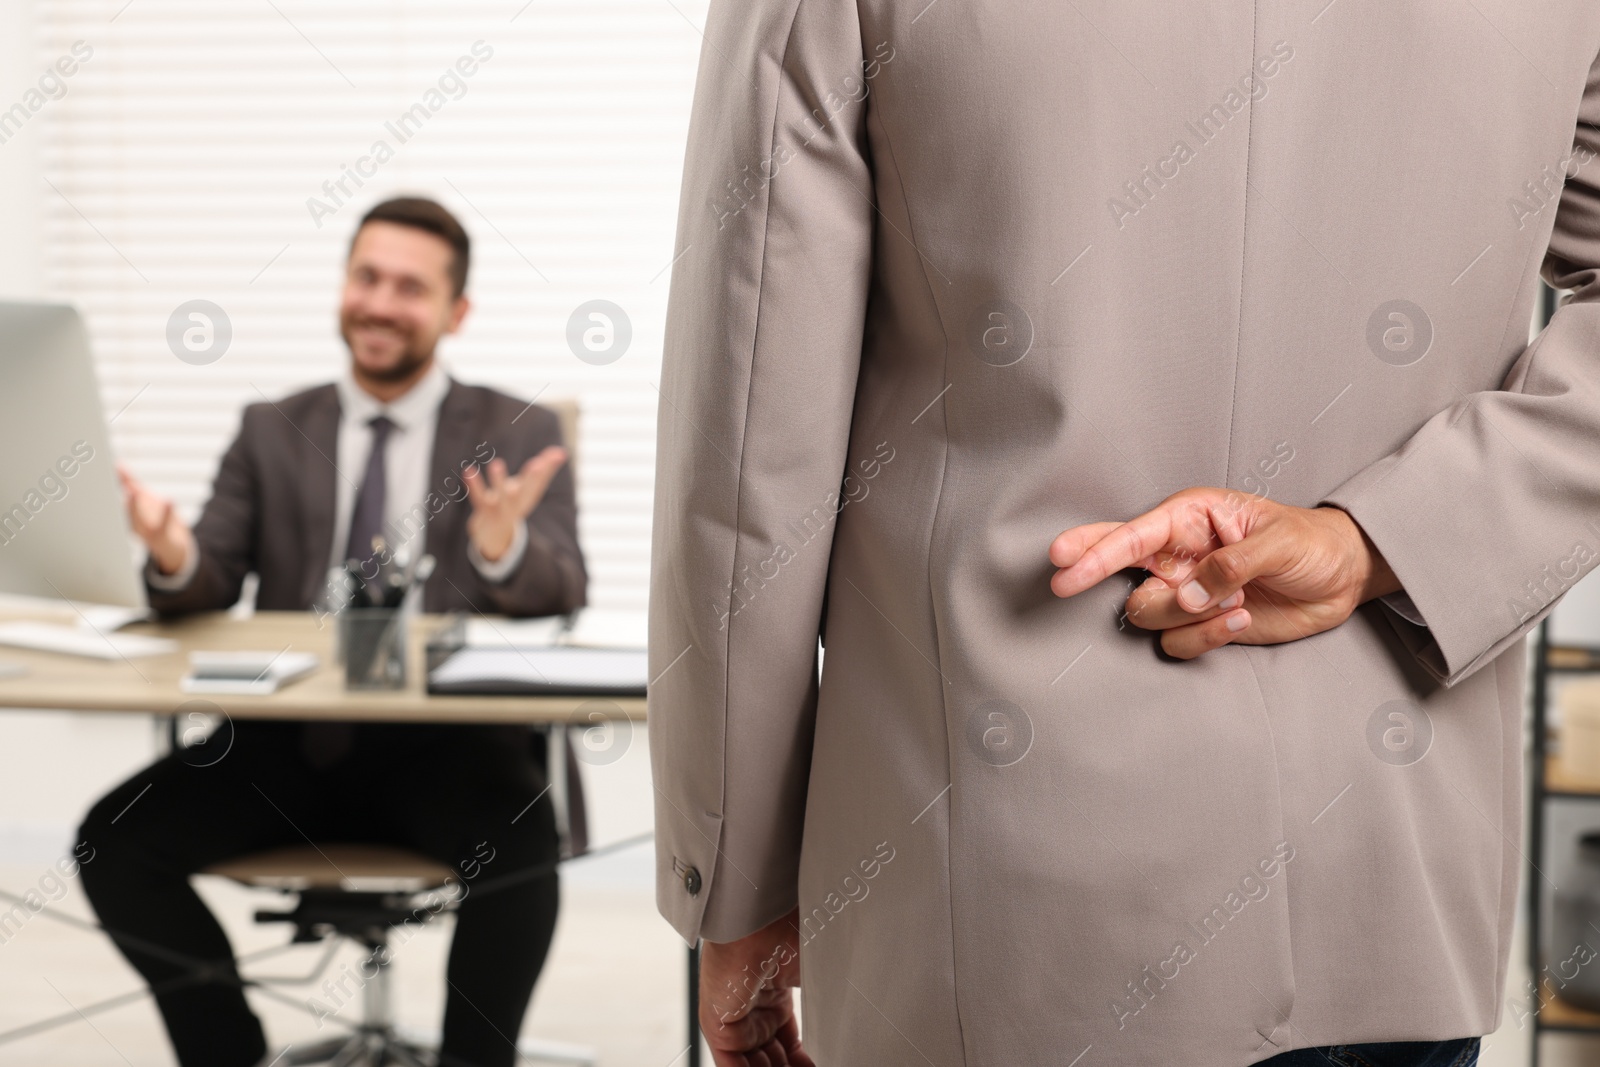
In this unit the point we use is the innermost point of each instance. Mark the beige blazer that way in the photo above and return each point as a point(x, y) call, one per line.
point(957, 275)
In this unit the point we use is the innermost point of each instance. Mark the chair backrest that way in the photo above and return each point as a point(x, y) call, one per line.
point(566, 409)
point(571, 812)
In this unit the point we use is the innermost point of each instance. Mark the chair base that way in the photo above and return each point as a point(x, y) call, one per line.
point(535, 1050)
point(368, 1047)
point(376, 1046)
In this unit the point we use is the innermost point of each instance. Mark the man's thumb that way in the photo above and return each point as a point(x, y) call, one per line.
point(1224, 571)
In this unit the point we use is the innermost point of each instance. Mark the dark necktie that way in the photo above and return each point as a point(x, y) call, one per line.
point(326, 743)
point(366, 519)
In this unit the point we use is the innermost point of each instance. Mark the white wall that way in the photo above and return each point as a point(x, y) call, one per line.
point(20, 265)
point(178, 165)
point(51, 766)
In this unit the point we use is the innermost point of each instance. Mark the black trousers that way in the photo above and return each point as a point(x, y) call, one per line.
point(471, 797)
point(1462, 1052)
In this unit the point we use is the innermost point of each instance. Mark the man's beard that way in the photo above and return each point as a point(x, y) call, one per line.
point(412, 356)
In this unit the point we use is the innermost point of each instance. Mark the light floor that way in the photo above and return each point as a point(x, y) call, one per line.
point(615, 982)
point(615, 979)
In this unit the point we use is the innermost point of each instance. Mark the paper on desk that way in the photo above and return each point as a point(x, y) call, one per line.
point(108, 617)
point(591, 628)
point(484, 632)
point(81, 641)
point(608, 628)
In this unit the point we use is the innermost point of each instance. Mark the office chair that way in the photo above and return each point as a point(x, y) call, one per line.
point(362, 892)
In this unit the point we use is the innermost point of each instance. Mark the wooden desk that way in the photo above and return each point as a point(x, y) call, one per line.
point(149, 685)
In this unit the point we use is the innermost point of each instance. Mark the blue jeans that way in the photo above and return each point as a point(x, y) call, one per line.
point(1459, 1053)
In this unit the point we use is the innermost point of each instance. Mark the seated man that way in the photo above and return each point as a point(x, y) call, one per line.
point(395, 450)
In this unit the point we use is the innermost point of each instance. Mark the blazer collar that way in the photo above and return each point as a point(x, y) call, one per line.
point(319, 446)
point(459, 419)
point(458, 411)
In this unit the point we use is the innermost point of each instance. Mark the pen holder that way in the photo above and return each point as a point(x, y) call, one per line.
point(374, 646)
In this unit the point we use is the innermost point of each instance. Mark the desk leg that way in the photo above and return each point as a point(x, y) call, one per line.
point(166, 727)
point(694, 1005)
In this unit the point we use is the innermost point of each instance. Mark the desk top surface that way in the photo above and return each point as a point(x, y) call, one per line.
point(149, 684)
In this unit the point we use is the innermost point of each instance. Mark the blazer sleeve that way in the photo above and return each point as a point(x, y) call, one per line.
point(1488, 513)
point(225, 533)
point(762, 348)
point(551, 578)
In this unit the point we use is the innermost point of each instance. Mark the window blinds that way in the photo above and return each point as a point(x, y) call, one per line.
point(222, 151)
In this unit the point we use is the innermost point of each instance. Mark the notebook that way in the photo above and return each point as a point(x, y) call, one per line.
point(550, 670)
point(594, 653)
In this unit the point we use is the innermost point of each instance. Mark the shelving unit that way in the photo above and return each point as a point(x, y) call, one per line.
point(1550, 782)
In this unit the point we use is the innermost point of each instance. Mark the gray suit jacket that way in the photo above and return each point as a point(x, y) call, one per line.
point(957, 275)
point(272, 510)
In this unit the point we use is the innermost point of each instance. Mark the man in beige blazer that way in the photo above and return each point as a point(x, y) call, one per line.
point(1001, 328)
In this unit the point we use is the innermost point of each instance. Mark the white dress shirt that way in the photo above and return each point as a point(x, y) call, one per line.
point(408, 464)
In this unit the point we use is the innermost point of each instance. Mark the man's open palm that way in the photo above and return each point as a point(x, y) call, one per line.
point(1228, 567)
point(155, 522)
point(500, 501)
